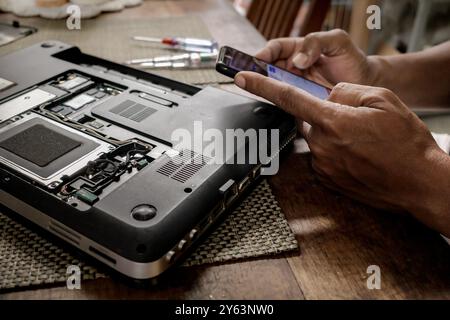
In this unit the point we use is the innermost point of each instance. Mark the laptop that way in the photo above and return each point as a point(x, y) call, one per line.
point(129, 167)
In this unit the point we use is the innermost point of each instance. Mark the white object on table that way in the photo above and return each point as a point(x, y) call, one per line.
point(88, 8)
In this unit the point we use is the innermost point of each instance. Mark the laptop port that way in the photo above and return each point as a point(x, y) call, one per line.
point(218, 209)
point(230, 195)
point(244, 184)
point(256, 172)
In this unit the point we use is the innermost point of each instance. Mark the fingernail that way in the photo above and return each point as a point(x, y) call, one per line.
point(300, 60)
point(240, 81)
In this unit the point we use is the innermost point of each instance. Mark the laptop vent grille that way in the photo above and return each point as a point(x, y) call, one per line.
point(183, 166)
point(132, 110)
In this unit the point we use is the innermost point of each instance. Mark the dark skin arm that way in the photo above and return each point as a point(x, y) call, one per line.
point(365, 141)
point(420, 79)
point(367, 144)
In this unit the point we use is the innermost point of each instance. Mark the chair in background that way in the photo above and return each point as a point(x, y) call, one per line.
point(315, 15)
point(276, 18)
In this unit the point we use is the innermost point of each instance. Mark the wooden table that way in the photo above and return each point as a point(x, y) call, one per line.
point(339, 238)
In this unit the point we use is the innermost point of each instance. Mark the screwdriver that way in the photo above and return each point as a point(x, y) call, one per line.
point(191, 58)
point(186, 44)
point(187, 61)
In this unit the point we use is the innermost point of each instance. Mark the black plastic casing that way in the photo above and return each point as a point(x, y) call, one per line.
point(109, 222)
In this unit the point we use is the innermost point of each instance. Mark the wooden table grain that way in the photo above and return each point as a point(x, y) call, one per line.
point(339, 238)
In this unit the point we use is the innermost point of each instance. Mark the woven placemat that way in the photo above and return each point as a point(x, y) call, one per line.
point(256, 228)
point(111, 40)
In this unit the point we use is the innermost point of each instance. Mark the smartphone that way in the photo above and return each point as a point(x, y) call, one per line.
point(230, 61)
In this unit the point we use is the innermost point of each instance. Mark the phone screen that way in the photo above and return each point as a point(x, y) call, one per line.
point(240, 61)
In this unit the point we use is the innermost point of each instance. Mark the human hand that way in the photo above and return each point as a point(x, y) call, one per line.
point(327, 57)
point(368, 145)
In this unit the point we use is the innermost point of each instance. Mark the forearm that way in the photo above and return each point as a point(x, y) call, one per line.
point(420, 79)
point(431, 202)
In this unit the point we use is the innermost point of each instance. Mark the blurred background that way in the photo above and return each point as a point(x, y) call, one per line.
point(406, 25)
point(108, 27)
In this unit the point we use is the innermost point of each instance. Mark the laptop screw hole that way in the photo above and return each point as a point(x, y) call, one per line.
point(188, 190)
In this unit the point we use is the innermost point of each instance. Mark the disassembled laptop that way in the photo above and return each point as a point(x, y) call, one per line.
point(86, 153)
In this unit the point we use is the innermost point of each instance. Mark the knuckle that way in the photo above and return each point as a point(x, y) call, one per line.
point(273, 45)
point(329, 124)
point(343, 39)
point(340, 32)
point(338, 90)
point(333, 116)
point(310, 38)
point(341, 86)
point(378, 95)
point(272, 42)
point(335, 125)
point(384, 93)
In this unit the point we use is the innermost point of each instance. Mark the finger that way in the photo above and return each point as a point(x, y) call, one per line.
point(330, 43)
point(287, 65)
point(356, 95)
point(281, 64)
point(305, 130)
point(295, 101)
point(348, 94)
point(279, 49)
